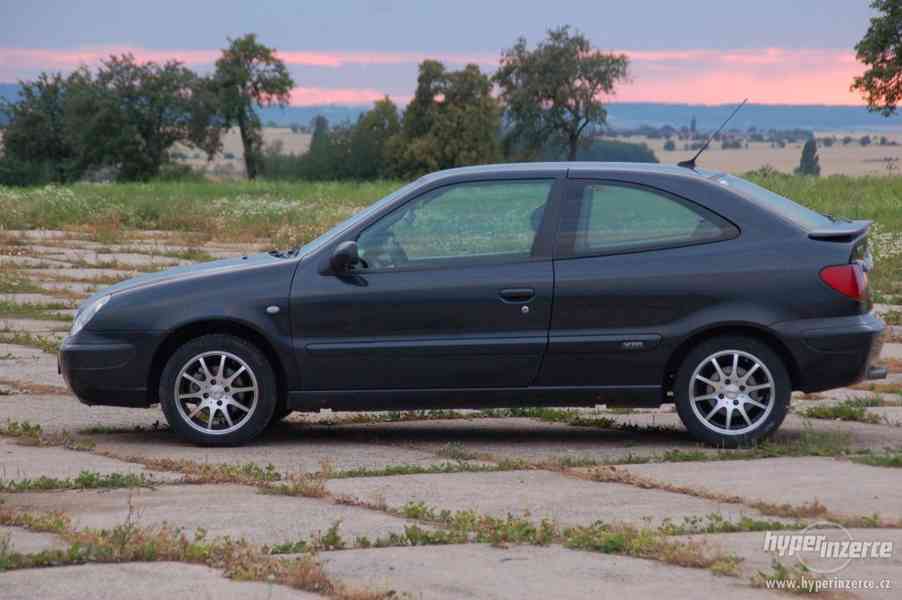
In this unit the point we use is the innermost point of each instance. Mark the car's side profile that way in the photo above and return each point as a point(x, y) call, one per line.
point(562, 284)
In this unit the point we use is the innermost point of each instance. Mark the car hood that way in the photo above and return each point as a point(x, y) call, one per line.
point(188, 271)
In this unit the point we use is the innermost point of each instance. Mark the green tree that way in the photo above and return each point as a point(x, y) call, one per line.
point(810, 163)
point(130, 115)
point(554, 90)
point(881, 50)
point(35, 131)
point(249, 75)
point(368, 158)
point(453, 120)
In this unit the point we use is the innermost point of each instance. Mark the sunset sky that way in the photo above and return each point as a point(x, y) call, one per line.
point(355, 51)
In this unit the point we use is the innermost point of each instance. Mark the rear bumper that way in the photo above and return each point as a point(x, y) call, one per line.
point(109, 369)
point(832, 353)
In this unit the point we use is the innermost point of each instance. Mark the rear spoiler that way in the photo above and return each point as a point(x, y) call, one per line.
point(844, 231)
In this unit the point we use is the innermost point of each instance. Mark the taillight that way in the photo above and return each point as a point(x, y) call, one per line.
point(849, 280)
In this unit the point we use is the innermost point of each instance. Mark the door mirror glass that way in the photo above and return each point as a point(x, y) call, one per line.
point(345, 257)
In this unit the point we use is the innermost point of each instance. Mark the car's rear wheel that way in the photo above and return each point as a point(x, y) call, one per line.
point(218, 390)
point(732, 391)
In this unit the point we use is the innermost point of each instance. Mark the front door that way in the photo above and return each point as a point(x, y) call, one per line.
point(455, 292)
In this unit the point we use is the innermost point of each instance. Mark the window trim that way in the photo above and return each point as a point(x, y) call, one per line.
point(573, 197)
point(541, 250)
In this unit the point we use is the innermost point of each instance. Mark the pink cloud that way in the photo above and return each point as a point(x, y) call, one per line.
point(312, 96)
point(28, 59)
point(765, 75)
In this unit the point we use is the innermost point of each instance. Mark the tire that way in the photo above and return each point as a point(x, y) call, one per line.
point(280, 414)
point(711, 402)
point(193, 373)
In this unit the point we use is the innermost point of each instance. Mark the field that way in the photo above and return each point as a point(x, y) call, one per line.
point(284, 214)
point(442, 504)
point(852, 159)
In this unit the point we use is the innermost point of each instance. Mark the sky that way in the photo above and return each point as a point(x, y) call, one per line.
point(356, 51)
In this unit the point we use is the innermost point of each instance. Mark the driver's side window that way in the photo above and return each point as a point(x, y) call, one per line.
point(480, 221)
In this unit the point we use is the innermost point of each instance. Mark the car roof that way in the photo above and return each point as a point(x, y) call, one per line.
point(573, 169)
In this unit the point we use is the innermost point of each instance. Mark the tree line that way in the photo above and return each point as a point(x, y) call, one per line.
point(124, 118)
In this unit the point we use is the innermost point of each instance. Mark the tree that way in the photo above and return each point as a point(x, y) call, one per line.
point(554, 90)
point(130, 115)
point(810, 163)
point(35, 130)
point(249, 75)
point(453, 120)
point(881, 50)
point(369, 137)
point(127, 115)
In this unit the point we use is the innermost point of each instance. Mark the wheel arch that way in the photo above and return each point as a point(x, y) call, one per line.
point(761, 333)
point(188, 331)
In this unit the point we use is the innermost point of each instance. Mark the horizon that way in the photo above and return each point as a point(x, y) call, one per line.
point(800, 55)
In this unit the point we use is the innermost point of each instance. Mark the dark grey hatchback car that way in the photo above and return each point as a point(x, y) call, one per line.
point(561, 284)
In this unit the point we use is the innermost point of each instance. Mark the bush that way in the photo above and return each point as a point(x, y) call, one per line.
point(177, 172)
point(20, 174)
point(669, 146)
point(605, 151)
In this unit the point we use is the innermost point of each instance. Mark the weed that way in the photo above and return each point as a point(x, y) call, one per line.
point(847, 410)
point(886, 459)
point(32, 310)
point(795, 580)
point(86, 480)
point(21, 338)
point(456, 451)
point(33, 435)
point(307, 485)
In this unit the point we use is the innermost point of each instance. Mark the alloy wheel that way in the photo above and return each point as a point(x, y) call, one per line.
point(732, 392)
point(216, 392)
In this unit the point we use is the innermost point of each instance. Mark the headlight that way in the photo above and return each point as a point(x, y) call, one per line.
point(87, 313)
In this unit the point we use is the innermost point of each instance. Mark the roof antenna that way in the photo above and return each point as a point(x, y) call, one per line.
point(690, 164)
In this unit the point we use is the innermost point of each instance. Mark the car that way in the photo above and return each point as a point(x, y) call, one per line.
point(532, 284)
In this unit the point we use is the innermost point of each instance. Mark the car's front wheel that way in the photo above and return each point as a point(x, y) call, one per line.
point(218, 390)
point(732, 390)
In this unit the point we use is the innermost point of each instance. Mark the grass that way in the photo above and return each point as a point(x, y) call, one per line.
point(794, 580)
point(13, 282)
point(32, 435)
point(129, 542)
point(86, 480)
point(847, 410)
point(891, 459)
point(33, 310)
point(50, 345)
point(285, 212)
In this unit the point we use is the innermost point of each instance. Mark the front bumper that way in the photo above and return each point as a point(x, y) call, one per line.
point(836, 352)
point(109, 369)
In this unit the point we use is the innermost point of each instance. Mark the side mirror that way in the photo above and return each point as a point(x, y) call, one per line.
point(344, 257)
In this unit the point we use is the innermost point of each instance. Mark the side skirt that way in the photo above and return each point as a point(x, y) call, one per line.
point(639, 396)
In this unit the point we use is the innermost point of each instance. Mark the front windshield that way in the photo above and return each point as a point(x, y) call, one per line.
point(340, 228)
point(775, 203)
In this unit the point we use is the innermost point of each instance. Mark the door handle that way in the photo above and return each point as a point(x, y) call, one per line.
point(517, 294)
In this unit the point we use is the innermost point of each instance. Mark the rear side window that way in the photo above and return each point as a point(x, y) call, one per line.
point(613, 218)
point(775, 203)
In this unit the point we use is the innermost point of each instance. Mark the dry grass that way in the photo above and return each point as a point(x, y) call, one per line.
point(128, 542)
point(810, 510)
